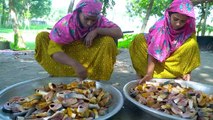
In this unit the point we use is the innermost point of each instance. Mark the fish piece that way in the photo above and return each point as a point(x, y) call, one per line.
point(59, 115)
point(52, 86)
point(55, 106)
point(94, 106)
point(69, 102)
point(75, 95)
point(83, 107)
point(7, 107)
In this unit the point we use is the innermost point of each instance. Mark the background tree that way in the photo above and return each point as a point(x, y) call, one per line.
point(70, 9)
point(39, 8)
point(18, 40)
point(106, 4)
point(25, 9)
point(147, 15)
point(19, 10)
point(146, 8)
point(203, 14)
point(4, 10)
point(196, 2)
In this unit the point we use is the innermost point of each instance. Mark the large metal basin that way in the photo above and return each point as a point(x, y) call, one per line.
point(26, 88)
point(208, 89)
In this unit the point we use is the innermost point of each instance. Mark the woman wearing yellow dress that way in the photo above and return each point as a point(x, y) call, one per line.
point(80, 44)
point(170, 49)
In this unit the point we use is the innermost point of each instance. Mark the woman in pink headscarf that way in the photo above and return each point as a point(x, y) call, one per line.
point(80, 44)
point(170, 49)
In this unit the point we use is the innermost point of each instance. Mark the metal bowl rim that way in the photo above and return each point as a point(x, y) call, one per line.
point(107, 116)
point(148, 109)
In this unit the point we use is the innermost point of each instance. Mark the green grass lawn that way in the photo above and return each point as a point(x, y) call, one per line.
point(29, 36)
point(122, 43)
point(30, 45)
point(125, 41)
point(6, 30)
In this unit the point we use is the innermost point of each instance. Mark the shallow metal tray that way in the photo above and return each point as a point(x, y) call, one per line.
point(208, 89)
point(27, 88)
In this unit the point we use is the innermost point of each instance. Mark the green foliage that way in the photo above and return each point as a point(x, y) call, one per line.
point(36, 8)
point(29, 8)
point(107, 4)
point(202, 6)
point(4, 13)
point(56, 14)
point(201, 17)
point(1, 6)
point(139, 7)
point(40, 8)
point(126, 40)
point(209, 29)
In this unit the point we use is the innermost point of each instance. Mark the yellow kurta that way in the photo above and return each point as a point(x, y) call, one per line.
point(98, 59)
point(185, 59)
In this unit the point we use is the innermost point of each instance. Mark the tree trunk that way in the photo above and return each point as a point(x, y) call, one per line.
point(18, 40)
point(70, 9)
point(3, 13)
point(204, 22)
point(147, 16)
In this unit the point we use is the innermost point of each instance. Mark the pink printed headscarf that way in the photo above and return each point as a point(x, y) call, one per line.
point(68, 29)
point(162, 39)
point(90, 7)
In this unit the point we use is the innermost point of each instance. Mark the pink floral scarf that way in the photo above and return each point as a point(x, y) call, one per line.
point(68, 29)
point(162, 39)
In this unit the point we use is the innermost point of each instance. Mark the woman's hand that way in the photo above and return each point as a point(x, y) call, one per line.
point(90, 37)
point(63, 58)
point(150, 70)
point(80, 70)
point(145, 78)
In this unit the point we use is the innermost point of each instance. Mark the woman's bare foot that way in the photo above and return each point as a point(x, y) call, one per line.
point(186, 77)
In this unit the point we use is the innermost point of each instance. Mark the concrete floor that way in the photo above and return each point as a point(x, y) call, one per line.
point(17, 66)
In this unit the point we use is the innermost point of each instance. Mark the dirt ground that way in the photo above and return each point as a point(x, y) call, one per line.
point(17, 66)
